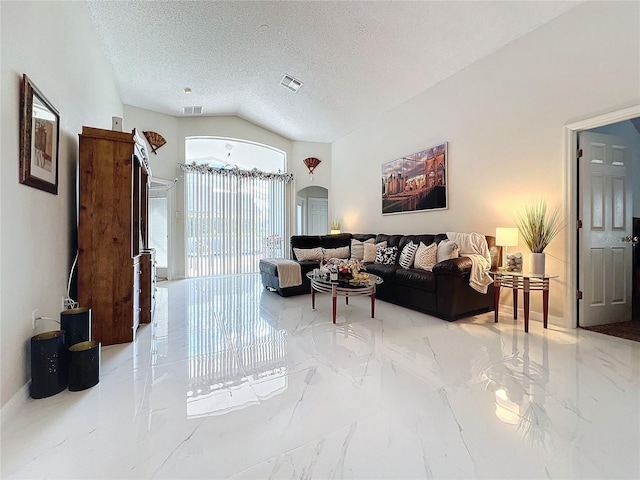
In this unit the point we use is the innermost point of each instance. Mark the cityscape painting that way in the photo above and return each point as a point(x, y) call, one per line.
point(416, 182)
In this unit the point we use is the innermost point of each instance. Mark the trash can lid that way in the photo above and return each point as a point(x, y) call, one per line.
point(79, 347)
point(48, 335)
point(74, 311)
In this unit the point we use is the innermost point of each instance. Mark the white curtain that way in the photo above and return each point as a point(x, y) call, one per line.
point(233, 219)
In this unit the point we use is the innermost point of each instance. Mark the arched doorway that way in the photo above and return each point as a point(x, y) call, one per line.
point(312, 211)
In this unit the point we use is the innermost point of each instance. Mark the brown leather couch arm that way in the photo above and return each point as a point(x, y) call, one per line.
point(454, 266)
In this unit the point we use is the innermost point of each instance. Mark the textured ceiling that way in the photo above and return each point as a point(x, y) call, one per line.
point(356, 59)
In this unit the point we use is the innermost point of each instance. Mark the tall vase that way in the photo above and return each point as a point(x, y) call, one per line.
point(537, 264)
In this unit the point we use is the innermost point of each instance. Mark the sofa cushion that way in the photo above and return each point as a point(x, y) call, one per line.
point(308, 254)
point(357, 248)
point(340, 252)
point(447, 249)
point(407, 255)
point(386, 272)
point(392, 240)
point(426, 256)
point(460, 266)
point(370, 251)
point(336, 240)
point(386, 256)
point(305, 241)
point(413, 278)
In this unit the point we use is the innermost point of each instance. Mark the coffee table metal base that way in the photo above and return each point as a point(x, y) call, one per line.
point(336, 291)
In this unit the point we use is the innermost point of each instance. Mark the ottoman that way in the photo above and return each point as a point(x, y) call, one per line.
point(271, 280)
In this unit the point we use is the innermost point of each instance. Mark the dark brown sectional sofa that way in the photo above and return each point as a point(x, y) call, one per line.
point(443, 292)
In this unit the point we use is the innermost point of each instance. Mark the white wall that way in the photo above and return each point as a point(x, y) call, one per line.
point(38, 229)
point(174, 130)
point(163, 162)
point(503, 118)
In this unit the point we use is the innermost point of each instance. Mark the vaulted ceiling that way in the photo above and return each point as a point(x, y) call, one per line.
point(355, 60)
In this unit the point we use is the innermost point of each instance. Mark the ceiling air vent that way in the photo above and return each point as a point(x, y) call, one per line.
point(291, 83)
point(195, 110)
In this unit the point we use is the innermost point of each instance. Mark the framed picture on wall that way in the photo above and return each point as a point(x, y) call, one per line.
point(416, 182)
point(39, 135)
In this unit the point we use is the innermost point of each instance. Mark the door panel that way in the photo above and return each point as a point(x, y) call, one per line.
point(606, 204)
point(318, 216)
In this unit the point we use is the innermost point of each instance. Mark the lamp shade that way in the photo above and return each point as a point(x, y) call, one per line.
point(506, 236)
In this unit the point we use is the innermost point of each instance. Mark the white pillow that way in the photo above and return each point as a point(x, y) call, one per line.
point(370, 251)
point(357, 248)
point(447, 249)
point(308, 254)
point(340, 252)
point(407, 255)
point(426, 256)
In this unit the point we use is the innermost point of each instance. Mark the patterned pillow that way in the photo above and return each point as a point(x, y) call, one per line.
point(447, 249)
point(426, 256)
point(340, 252)
point(308, 254)
point(370, 251)
point(357, 248)
point(407, 255)
point(386, 255)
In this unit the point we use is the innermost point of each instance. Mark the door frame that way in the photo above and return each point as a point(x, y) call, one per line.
point(301, 202)
point(165, 186)
point(571, 199)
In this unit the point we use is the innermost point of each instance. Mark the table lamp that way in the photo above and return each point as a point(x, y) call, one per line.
point(506, 237)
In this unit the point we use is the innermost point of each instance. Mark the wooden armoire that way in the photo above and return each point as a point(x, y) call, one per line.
point(113, 233)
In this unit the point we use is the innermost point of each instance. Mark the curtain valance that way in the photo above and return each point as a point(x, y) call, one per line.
point(234, 170)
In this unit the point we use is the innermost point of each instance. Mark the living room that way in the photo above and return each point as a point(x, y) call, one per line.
point(509, 120)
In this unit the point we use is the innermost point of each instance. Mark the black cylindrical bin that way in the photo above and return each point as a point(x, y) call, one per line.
point(76, 323)
point(84, 365)
point(48, 364)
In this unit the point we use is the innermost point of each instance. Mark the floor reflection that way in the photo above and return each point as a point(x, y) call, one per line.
point(518, 380)
point(230, 346)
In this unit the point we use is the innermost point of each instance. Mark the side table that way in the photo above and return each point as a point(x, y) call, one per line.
point(527, 283)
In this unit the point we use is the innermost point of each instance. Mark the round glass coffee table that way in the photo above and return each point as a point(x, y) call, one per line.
point(344, 288)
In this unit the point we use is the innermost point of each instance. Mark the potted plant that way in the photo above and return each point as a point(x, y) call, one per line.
point(335, 226)
point(538, 228)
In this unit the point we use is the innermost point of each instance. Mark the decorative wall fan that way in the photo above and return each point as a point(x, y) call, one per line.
point(311, 164)
point(155, 140)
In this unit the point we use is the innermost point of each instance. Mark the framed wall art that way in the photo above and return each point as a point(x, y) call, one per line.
point(416, 182)
point(39, 135)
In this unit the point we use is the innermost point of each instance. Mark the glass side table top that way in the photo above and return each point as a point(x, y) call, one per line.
point(533, 276)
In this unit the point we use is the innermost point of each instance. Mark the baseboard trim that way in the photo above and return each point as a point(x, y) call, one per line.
point(14, 405)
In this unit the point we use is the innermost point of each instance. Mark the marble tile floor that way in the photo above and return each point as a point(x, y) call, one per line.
point(232, 381)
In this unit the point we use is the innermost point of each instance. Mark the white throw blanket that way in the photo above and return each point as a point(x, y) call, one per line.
point(289, 272)
point(474, 246)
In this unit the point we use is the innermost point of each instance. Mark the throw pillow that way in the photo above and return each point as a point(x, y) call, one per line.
point(446, 250)
point(340, 252)
point(386, 255)
point(308, 254)
point(426, 256)
point(408, 254)
point(370, 251)
point(357, 248)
